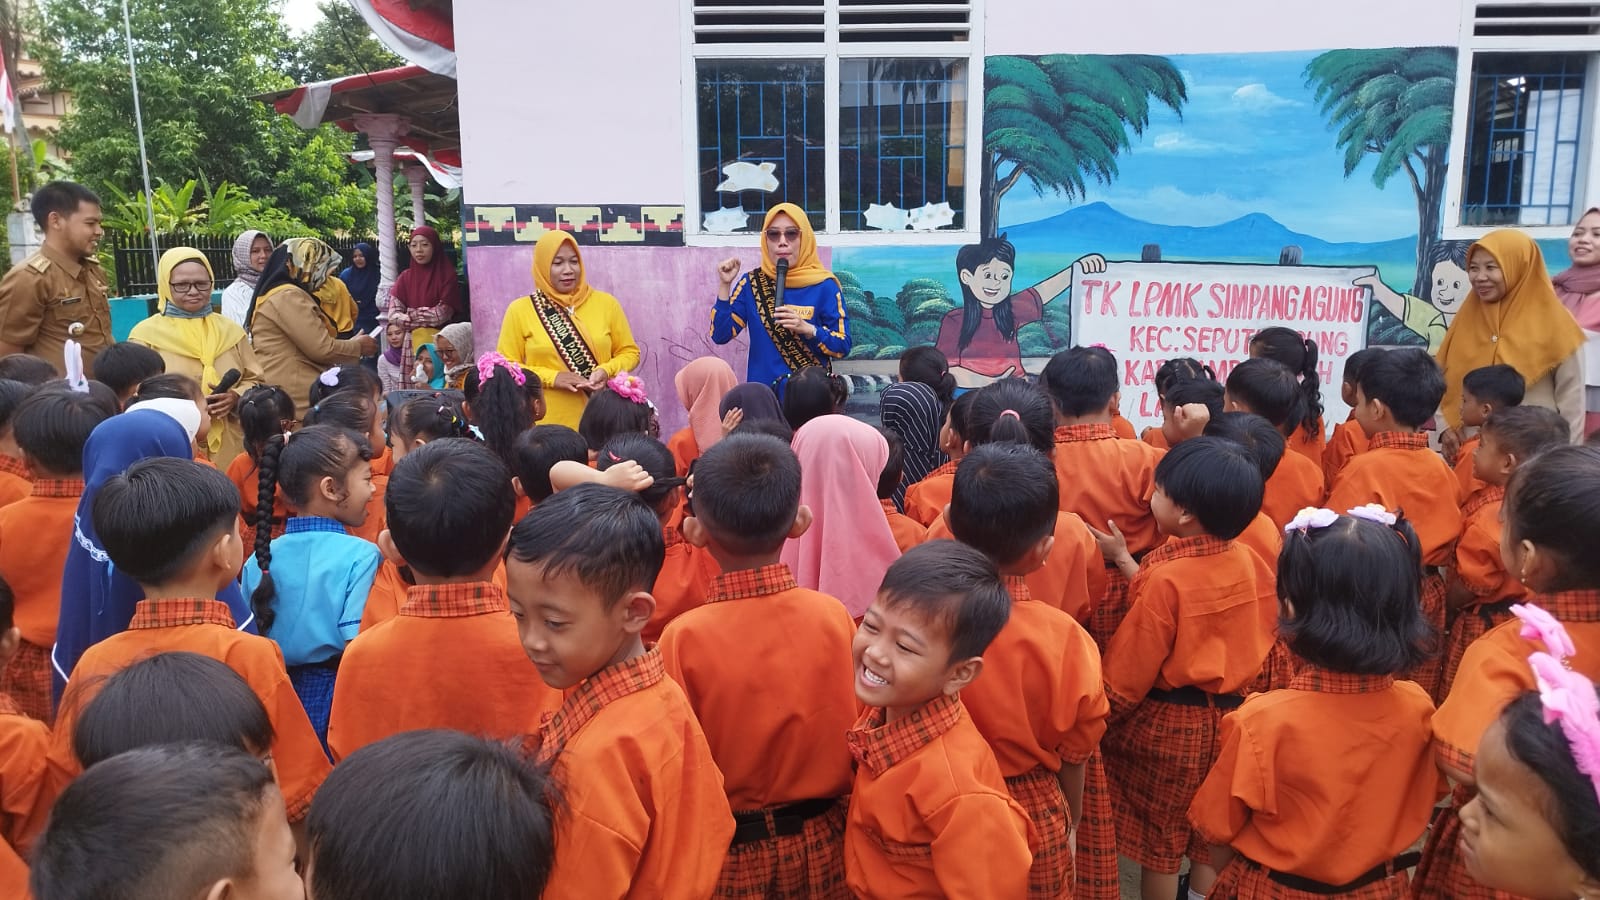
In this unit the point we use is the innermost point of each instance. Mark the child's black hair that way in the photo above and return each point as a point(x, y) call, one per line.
point(352, 377)
point(1543, 746)
point(609, 414)
point(8, 606)
point(608, 539)
point(449, 509)
point(1527, 431)
point(503, 409)
point(1553, 501)
point(12, 393)
point(168, 386)
point(30, 370)
point(1269, 389)
point(657, 461)
point(960, 415)
point(1180, 368)
point(1299, 353)
point(747, 493)
point(171, 698)
point(1012, 410)
point(1255, 434)
point(123, 365)
point(425, 811)
point(353, 410)
point(927, 365)
point(1355, 589)
point(154, 823)
point(310, 455)
point(1081, 381)
point(155, 519)
point(1217, 481)
point(955, 586)
point(968, 259)
point(1408, 381)
point(264, 410)
point(427, 418)
point(1004, 500)
point(894, 468)
point(1354, 362)
point(539, 448)
point(1184, 391)
point(60, 197)
point(1500, 386)
point(54, 423)
point(808, 395)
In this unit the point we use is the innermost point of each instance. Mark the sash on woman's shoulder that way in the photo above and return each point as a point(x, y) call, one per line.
point(796, 354)
point(574, 351)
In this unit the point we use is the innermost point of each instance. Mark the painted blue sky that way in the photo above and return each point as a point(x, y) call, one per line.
point(1250, 140)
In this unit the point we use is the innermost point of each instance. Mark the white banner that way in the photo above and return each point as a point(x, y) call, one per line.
point(1147, 313)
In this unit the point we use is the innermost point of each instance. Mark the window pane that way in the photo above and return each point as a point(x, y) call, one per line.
point(1522, 140)
point(902, 143)
point(761, 140)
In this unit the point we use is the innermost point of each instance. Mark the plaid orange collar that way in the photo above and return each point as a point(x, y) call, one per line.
point(880, 746)
point(1493, 493)
point(586, 700)
point(1182, 548)
point(13, 466)
point(175, 611)
point(1399, 440)
point(889, 509)
point(948, 468)
point(1570, 606)
point(1098, 431)
point(1327, 681)
point(451, 601)
point(1017, 587)
point(761, 582)
point(63, 488)
point(672, 536)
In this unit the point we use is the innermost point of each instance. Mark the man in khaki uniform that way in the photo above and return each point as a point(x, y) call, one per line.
point(59, 293)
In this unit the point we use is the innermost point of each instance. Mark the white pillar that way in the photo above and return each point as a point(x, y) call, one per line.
point(418, 176)
point(383, 133)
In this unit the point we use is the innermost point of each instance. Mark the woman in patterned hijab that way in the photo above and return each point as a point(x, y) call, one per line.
point(292, 335)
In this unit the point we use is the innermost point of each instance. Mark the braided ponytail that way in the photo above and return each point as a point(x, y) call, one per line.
point(1287, 346)
point(267, 490)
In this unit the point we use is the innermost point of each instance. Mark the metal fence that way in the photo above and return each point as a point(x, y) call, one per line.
point(135, 270)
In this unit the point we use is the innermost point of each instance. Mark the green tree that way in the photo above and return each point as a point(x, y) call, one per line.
point(340, 44)
point(1394, 104)
point(1061, 120)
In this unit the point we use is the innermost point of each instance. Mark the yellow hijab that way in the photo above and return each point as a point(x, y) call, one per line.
point(544, 253)
point(807, 269)
point(1528, 330)
point(337, 305)
point(199, 339)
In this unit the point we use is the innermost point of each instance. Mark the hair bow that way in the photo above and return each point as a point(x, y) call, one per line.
point(73, 358)
point(1567, 697)
point(1538, 624)
point(492, 360)
point(1311, 517)
point(330, 377)
point(1374, 512)
point(629, 385)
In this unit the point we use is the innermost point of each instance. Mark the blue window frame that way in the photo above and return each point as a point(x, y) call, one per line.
point(902, 136)
point(1523, 152)
point(767, 115)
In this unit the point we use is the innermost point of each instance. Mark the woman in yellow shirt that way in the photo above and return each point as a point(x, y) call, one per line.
point(575, 338)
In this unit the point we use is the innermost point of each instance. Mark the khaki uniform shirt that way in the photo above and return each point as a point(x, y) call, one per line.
point(48, 299)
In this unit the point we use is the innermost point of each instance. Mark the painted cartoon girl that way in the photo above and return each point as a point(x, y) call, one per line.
point(980, 338)
point(1447, 289)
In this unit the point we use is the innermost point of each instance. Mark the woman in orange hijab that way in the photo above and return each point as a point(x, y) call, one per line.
point(572, 336)
point(1513, 317)
point(808, 328)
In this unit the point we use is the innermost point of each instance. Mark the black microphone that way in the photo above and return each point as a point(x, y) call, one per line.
point(229, 379)
point(783, 275)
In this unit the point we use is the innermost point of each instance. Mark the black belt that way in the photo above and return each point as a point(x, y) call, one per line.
point(1193, 696)
point(777, 821)
point(1372, 876)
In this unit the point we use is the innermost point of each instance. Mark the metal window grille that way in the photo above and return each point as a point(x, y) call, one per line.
point(901, 137)
point(758, 115)
point(1523, 139)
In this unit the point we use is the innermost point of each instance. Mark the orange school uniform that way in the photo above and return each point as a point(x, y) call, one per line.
point(645, 812)
point(1041, 704)
point(525, 505)
point(907, 531)
point(16, 481)
point(685, 450)
point(1309, 445)
point(1347, 441)
point(35, 533)
point(1479, 567)
point(1123, 428)
point(685, 579)
point(377, 514)
point(203, 626)
point(1193, 640)
point(246, 476)
point(776, 762)
point(24, 745)
point(1073, 576)
point(450, 659)
point(1470, 483)
point(389, 589)
point(1296, 484)
point(930, 815)
point(1494, 671)
point(1326, 780)
point(1156, 438)
point(926, 500)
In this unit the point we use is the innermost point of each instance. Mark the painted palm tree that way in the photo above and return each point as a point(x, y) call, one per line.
point(1394, 104)
point(1061, 120)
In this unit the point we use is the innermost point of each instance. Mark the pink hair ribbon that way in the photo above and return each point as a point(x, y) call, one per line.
point(492, 360)
point(1568, 697)
point(629, 385)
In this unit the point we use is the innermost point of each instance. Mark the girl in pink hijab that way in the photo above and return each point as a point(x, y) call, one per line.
point(1579, 290)
point(849, 546)
point(701, 385)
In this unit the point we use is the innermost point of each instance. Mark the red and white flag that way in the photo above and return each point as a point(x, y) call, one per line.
point(8, 99)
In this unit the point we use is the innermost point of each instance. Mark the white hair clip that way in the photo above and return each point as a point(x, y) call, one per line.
point(72, 356)
point(1311, 517)
point(1374, 512)
point(330, 377)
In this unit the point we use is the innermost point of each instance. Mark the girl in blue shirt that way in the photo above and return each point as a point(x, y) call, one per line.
point(309, 587)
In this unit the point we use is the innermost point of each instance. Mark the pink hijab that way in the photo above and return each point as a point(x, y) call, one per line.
point(701, 385)
point(848, 547)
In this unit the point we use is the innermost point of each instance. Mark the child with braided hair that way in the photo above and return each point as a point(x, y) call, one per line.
point(309, 587)
point(264, 411)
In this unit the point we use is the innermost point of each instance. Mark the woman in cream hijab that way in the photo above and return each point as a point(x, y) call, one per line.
point(203, 344)
point(575, 338)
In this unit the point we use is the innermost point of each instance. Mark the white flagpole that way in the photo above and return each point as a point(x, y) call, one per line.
point(138, 123)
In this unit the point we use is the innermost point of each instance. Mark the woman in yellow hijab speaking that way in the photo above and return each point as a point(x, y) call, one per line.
point(203, 344)
point(808, 328)
point(575, 338)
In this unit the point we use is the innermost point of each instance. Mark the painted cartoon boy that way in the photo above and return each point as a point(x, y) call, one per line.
point(1447, 289)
